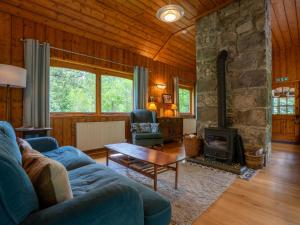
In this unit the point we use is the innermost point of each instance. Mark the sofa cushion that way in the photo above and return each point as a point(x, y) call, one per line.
point(140, 136)
point(70, 157)
point(157, 209)
point(49, 178)
point(17, 196)
point(8, 144)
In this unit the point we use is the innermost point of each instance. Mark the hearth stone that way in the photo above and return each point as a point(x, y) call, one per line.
point(235, 168)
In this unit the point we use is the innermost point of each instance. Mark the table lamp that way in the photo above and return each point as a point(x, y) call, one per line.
point(11, 76)
point(174, 108)
point(152, 106)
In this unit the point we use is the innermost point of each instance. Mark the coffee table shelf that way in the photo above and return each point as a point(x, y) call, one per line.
point(148, 162)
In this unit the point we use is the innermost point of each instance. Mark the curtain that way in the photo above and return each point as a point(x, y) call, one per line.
point(36, 94)
point(140, 87)
point(176, 94)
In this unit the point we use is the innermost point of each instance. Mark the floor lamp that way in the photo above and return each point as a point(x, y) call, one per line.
point(11, 76)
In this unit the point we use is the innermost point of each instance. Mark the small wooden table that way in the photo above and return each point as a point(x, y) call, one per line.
point(146, 161)
point(29, 132)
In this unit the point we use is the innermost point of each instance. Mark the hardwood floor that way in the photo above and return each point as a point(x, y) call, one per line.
point(272, 197)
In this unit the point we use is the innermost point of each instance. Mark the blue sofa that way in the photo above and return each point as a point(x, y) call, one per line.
point(101, 196)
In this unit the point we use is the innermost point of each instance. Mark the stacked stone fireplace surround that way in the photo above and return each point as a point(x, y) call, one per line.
point(243, 28)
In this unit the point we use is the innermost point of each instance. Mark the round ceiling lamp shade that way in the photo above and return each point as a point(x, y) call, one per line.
point(170, 13)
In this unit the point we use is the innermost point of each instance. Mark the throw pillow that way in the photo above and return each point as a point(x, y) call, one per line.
point(135, 128)
point(154, 127)
point(23, 144)
point(145, 127)
point(49, 177)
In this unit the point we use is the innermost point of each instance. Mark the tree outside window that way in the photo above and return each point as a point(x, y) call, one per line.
point(72, 90)
point(116, 94)
point(184, 100)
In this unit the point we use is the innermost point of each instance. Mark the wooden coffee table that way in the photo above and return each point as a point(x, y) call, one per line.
point(146, 161)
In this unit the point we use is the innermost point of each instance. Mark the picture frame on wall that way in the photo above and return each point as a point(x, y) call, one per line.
point(167, 98)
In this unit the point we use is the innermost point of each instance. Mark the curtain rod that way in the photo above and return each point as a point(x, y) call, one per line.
point(84, 55)
point(93, 57)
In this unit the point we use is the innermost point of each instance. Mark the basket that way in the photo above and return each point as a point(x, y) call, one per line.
point(192, 145)
point(254, 161)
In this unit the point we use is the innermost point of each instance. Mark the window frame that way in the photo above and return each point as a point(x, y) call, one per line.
point(289, 84)
point(98, 71)
point(190, 88)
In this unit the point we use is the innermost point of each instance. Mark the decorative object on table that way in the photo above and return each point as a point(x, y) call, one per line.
point(11, 76)
point(31, 132)
point(174, 108)
point(139, 116)
point(171, 128)
point(170, 13)
point(192, 145)
point(193, 196)
point(255, 159)
point(152, 105)
point(167, 98)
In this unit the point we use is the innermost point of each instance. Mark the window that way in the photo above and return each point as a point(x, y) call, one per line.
point(72, 90)
point(185, 100)
point(116, 94)
point(283, 100)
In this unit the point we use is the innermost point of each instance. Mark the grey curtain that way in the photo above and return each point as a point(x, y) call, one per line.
point(36, 94)
point(140, 87)
point(176, 94)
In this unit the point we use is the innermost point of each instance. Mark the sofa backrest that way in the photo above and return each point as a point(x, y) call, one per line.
point(17, 196)
point(142, 116)
point(9, 145)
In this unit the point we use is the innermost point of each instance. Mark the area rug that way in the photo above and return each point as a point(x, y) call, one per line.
point(198, 188)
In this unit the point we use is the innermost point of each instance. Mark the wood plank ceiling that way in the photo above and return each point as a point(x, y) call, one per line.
point(285, 16)
point(128, 24)
point(132, 24)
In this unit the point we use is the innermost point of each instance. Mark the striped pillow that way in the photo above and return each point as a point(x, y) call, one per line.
point(49, 177)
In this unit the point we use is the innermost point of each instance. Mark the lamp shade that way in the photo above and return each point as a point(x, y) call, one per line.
point(12, 76)
point(174, 107)
point(152, 106)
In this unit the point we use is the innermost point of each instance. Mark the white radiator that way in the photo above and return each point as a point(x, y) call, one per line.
point(94, 135)
point(189, 126)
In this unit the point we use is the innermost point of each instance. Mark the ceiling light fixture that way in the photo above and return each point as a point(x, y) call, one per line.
point(170, 13)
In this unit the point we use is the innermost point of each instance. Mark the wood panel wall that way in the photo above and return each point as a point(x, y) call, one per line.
point(286, 63)
point(13, 28)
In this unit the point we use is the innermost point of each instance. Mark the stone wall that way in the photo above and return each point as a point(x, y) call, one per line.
point(242, 28)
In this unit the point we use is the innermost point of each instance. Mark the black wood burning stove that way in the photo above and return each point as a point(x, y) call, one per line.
point(222, 143)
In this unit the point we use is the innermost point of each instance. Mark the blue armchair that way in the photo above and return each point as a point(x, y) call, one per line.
point(145, 139)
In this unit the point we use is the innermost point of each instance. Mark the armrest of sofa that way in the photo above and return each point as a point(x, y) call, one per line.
point(114, 204)
point(43, 144)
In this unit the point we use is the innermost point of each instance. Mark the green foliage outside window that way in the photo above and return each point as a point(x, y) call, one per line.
point(184, 100)
point(72, 90)
point(116, 94)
